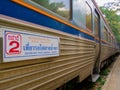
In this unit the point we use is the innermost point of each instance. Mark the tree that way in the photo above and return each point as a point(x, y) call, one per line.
point(113, 20)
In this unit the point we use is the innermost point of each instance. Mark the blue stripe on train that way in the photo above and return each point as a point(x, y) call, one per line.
point(9, 8)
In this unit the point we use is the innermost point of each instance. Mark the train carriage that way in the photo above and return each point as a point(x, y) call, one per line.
point(47, 43)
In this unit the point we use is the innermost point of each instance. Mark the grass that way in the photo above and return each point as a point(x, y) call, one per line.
point(99, 88)
point(101, 81)
point(105, 72)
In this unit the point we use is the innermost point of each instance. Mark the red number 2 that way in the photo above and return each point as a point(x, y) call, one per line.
point(13, 50)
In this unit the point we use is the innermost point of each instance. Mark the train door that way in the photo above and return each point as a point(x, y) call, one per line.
point(97, 42)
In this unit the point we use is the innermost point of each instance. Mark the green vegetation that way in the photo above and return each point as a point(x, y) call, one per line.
point(105, 72)
point(100, 82)
point(99, 88)
point(113, 20)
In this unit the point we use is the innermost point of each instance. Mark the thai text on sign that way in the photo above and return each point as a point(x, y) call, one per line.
point(26, 45)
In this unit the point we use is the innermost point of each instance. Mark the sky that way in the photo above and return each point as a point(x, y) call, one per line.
point(101, 2)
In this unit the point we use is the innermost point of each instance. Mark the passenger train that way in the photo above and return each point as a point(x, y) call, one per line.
point(47, 43)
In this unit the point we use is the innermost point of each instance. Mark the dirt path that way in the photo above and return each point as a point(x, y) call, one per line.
point(113, 80)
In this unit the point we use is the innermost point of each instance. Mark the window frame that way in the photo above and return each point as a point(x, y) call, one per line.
point(50, 11)
point(96, 17)
point(105, 33)
point(91, 17)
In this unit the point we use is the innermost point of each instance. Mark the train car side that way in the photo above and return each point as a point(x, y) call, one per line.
point(76, 59)
point(81, 42)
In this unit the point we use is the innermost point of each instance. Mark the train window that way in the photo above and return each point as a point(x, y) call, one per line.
point(96, 24)
point(102, 29)
point(105, 34)
point(88, 16)
point(79, 13)
point(109, 37)
point(112, 39)
point(61, 7)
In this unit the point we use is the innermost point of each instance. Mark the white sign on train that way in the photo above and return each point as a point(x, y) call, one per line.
point(27, 45)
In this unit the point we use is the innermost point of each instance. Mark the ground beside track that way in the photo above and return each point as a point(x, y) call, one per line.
point(109, 79)
point(113, 80)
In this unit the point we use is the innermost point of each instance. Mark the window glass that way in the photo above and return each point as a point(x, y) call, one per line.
point(105, 34)
point(88, 17)
point(112, 40)
point(61, 7)
point(109, 37)
point(102, 29)
point(96, 25)
point(79, 13)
